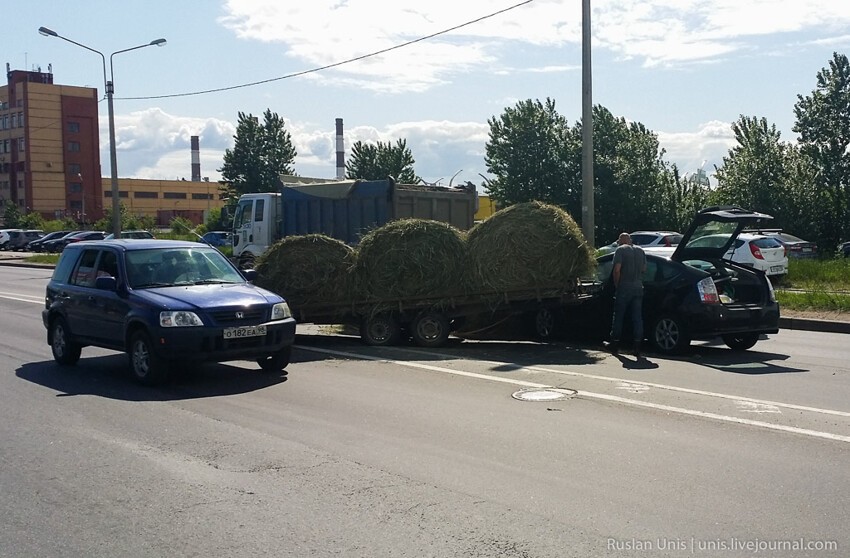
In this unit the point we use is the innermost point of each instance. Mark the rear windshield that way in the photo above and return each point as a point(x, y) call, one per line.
point(767, 243)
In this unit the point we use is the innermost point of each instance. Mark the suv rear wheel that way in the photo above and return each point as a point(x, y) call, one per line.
point(146, 366)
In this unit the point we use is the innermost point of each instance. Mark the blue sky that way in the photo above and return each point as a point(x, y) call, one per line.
point(686, 69)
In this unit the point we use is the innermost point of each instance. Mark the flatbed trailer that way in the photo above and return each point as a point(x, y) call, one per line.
point(430, 320)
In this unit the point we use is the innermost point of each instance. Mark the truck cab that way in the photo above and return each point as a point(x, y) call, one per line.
point(254, 227)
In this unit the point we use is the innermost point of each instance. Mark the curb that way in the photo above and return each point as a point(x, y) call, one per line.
point(808, 324)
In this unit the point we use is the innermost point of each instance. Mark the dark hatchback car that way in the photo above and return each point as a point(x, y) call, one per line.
point(217, 238)
point(692, 293)
point(162, 302)
point(38, 244)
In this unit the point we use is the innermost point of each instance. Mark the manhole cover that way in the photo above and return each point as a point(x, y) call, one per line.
point(544, 394)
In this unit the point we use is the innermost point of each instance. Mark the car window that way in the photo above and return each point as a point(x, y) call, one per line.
point(162, 267)
point(84, 275)
point(643, 239)
point(649, 274)
point(767, 243)
point(108, 265)
point(603, 270)
point(66, 264)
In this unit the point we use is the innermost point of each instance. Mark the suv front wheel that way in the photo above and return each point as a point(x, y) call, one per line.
point(65, 351)
point(147, 367)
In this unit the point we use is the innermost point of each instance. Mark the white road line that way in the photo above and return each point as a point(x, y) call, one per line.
point(29, 298)
point(671, 388)
point(600, 396)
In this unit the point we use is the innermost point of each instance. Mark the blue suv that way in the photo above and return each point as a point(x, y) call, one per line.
point(162, 302)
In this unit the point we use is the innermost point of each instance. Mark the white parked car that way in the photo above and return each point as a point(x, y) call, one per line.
point(648, 239)
point(758, 251)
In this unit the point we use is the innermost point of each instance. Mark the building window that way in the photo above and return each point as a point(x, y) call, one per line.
point(74, 146)
point(75, 204)
point(75, 187)
point(14, 121)
point(148, 195)
point(202, 196)
point(121, 193)
point(21, 119)
point(174, 195)
point(73, 127)
point(21, 145)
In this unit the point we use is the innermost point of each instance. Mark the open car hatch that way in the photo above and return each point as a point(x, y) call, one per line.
point(713, 231)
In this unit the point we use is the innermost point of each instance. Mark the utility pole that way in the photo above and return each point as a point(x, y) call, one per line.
point(587, 210)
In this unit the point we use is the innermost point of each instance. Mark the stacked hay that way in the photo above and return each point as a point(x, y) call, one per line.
point(528, 246)
point(309, 269)
point(411, 258)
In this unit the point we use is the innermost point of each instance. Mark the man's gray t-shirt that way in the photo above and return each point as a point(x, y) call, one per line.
point(632, 261)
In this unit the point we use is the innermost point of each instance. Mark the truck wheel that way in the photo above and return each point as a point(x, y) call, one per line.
point(380, 330)
point(65, 351)
point(668, 335)
point(246, 261)
point(430, 329)
point(277, 361)
point(146, 366)
point(741, 341)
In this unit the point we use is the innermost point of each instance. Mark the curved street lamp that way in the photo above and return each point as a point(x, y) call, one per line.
point(110, 90)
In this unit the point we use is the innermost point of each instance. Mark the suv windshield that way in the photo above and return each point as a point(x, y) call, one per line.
point(164, 267)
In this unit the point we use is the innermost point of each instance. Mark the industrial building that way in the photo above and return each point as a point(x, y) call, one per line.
point(50, 158)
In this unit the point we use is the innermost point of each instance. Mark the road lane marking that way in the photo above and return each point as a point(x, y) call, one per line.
point(28, 298)
point(669, 388)
point(599, 396)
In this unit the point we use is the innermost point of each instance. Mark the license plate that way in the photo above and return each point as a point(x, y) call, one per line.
point(244, 331)
point(776, 269)
point(807, 249)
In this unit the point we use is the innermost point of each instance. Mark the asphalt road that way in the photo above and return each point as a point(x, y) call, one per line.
point(481, 449)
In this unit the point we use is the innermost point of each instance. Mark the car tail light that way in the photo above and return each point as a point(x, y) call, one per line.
point(666, 241)
point(708, 291)
point(756, 252)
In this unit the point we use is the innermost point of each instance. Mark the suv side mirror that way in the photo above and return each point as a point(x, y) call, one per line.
point(106, 283)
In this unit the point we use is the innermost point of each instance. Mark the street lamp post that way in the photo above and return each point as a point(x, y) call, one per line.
point(110, 90)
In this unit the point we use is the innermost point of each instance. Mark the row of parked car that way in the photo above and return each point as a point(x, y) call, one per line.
point(53, 242)
point(767, 250)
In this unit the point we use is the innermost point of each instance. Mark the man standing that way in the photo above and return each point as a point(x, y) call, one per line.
point(629, 265)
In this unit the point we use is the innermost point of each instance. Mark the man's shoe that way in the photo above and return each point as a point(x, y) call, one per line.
point(637, 350)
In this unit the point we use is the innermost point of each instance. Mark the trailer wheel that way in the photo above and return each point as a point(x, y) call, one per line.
point(380, 330)
point(430, 329)
point(544, 323)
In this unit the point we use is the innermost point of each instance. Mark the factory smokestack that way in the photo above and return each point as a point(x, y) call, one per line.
point(196, 159)
point(340, 151)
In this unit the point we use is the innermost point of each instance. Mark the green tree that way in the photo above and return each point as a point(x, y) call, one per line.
point(12, 215)
point(754, 174)
point(261, 153)
point(375, 161)
point(527, 153)
point(823, 125)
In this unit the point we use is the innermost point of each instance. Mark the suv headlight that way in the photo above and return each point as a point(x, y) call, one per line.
point(280, 311)
point(179, 318)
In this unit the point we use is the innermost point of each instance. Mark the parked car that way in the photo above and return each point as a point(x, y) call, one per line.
point(648, 238)
point(692, 291)
point(162, 302)
point(56, 244)
point(133, 235)
point(4, 237)
point(78, 236)
point(753, 250)
point(217, 238)
point(18, 240)
point(795, 247)
point(844, 249)
point(37, 245)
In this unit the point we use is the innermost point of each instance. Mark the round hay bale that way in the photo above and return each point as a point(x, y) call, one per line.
point(411, 258)
point(308, 269)
point(527, 246)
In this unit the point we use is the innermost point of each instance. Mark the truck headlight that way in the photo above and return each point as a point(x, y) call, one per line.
point(280, 311)
point(179, 318)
